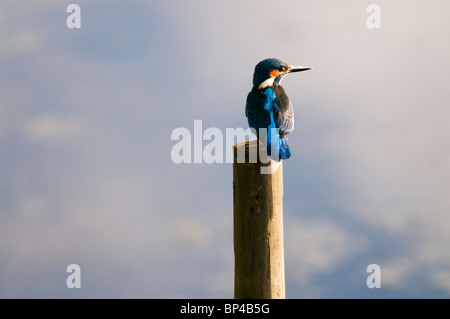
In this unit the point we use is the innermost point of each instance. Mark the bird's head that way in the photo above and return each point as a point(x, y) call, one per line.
point(271, 71)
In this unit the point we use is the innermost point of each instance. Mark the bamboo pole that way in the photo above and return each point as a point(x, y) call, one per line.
point(258, 225)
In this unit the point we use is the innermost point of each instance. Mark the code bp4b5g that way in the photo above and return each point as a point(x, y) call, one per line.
point(246, 308)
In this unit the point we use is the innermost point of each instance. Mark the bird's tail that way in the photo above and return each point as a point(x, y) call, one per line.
point(283, 148)
point(279, 145)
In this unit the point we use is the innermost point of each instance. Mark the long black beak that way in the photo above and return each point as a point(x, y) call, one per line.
point(298, 69)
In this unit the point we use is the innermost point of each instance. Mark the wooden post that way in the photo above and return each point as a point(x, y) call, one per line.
point(258, 225)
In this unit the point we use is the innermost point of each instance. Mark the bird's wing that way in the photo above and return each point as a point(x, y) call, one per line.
point(284, 114)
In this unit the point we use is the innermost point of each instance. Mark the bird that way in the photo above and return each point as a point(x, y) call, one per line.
point(268, 108)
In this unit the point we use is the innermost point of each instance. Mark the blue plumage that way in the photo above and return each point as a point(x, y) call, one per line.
point(269, 109)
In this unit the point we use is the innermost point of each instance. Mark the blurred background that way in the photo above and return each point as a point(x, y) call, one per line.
point(86, 117)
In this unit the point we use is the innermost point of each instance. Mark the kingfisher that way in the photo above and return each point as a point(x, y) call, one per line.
point(268, 109)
